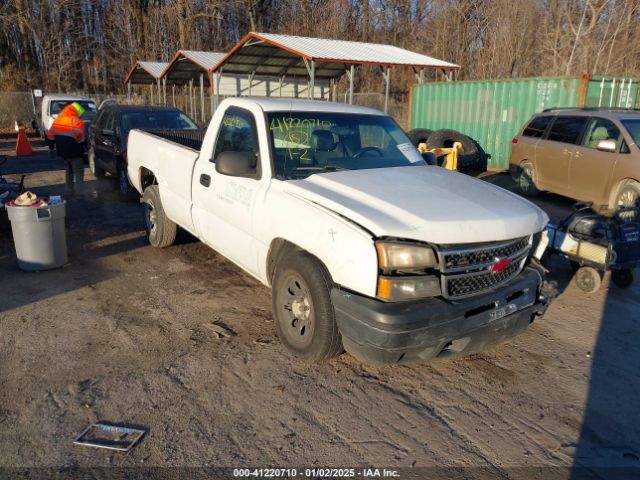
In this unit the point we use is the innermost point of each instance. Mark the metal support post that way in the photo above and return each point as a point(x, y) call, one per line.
point(164, 90)
point(151, 94)
point(386, 73)
point(351, 74)
point(129, 91)
point(202, 97)
point(218, 77)
point(191, 102)
point(251, 75)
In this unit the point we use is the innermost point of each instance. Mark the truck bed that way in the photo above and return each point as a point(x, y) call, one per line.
point(187, 138)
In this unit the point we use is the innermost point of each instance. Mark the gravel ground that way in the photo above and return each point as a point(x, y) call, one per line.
point(129, 334)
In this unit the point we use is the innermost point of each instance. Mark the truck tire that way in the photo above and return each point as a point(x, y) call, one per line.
point(302, 308)
point(627, 196)
point(97, 171)
point(470, 155)
point(127, 192)
point(419, 135)
point(526, 179)
point(160, 230)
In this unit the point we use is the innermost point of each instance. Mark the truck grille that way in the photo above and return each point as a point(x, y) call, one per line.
point(466, 271)
point(460, 286)
point(462, 259)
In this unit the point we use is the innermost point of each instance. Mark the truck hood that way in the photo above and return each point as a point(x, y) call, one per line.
point(424, 203)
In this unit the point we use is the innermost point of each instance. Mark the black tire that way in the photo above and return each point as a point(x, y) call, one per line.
point(160, 230)
point(468, 158)
point(97, 171)
point(622, 278)
point(627, 196)
point(127, 192)
point(302, 308)
point(419, 135)
point(588, 279)
point(526, 179)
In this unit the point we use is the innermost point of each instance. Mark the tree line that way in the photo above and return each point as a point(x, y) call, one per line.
point(90, 45)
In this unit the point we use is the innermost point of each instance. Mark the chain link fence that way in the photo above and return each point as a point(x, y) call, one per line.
point(398, 105)
point(22, 107)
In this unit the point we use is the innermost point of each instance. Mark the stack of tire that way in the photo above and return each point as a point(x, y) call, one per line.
point(470, 159)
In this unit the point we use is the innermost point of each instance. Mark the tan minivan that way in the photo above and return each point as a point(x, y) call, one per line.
point(585, 154)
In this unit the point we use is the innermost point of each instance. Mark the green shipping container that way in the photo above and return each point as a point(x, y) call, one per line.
point(493, 111)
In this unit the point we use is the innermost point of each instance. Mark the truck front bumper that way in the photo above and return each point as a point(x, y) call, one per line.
point(406, 332)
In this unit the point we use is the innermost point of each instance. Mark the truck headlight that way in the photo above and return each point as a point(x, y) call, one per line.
point(394, 289)
point(404, 256)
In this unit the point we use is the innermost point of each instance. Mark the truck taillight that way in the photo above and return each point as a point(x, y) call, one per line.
point(514, 141)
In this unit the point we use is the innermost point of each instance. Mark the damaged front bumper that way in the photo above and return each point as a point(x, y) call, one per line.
point(407, 332)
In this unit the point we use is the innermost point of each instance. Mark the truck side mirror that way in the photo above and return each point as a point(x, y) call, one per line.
point(606, 145)
point(236, 164)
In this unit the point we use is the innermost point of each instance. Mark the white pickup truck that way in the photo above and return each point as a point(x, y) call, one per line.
point(366, 247)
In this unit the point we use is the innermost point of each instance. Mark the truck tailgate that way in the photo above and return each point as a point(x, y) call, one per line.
point(171, 164)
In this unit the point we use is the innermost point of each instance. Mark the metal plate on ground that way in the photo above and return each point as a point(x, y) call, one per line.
point(110, 437)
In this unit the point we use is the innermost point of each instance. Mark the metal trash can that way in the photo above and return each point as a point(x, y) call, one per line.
point(39, 236)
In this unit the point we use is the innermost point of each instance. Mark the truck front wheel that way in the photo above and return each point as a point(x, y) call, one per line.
point(304, 315)
point(160, 230)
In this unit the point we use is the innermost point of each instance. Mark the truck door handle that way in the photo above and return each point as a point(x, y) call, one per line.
point(205, 180)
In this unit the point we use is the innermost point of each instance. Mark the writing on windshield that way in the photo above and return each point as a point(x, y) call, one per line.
point(304, 143)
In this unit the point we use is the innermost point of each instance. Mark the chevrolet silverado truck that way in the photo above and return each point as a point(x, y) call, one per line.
point(366, 247)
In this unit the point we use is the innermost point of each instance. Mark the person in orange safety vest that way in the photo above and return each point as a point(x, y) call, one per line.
point(67, 131)
point(68, 123)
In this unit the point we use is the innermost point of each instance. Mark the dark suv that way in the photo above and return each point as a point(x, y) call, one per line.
point(589, 154)
point(110, 130)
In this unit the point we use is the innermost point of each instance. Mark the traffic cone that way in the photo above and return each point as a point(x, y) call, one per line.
point(23, 147)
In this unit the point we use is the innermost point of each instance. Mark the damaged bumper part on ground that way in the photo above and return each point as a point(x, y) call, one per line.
point(411, 332)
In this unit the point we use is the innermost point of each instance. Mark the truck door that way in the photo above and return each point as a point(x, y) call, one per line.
point(223, 205)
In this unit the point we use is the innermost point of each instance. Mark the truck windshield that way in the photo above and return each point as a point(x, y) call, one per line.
point(304, 143)
point(633, 127)
point(156, 119)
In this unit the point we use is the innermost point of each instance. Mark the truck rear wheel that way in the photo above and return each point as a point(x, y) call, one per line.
point(304, 315)
point(160, 230)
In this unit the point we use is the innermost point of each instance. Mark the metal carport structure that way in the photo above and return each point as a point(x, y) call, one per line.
point(279, 56)
point(145, 73)
point(185, 67)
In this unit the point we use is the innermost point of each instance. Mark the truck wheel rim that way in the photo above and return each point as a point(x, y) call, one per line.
point(297, 311)
point(150, 217)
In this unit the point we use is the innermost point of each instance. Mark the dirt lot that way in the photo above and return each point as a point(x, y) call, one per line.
point(124, 334)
